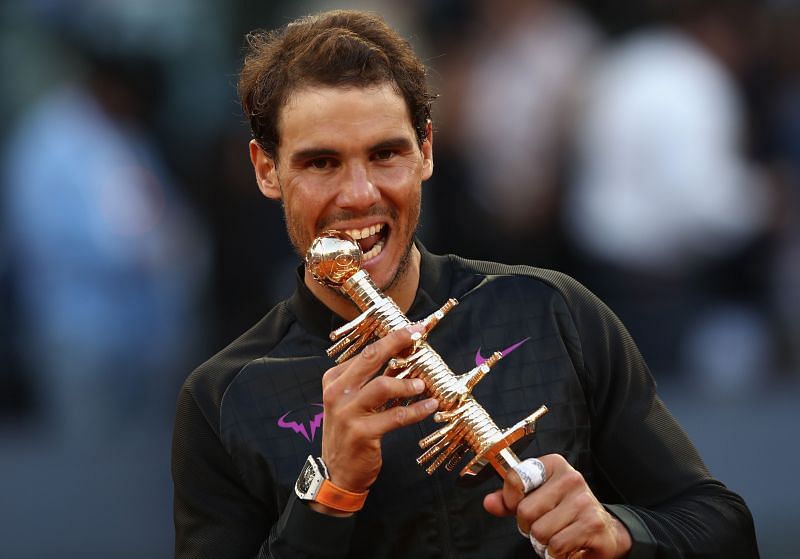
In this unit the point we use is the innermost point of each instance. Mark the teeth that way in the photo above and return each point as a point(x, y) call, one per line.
point(373, 252)
point(359, 234)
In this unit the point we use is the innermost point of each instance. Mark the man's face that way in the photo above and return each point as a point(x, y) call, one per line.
point(349, 160)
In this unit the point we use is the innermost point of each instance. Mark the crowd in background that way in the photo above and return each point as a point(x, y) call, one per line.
point(649, 148)
point(653, 162)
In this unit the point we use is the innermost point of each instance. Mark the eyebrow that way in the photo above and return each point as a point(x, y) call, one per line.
point(400, 143)
point(312, 153)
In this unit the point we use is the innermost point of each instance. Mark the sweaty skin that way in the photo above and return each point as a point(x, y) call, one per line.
point(349, 159)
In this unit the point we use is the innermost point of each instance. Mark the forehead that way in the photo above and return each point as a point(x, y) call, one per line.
point(328, 114)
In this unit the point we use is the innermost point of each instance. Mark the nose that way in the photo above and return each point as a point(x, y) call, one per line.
point(357, 190)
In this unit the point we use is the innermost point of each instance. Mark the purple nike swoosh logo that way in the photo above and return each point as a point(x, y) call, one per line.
point(480, 360)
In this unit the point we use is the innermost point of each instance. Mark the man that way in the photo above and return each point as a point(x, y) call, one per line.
point(342, 136)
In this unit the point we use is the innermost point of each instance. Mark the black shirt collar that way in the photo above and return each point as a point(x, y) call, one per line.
point(433, 291)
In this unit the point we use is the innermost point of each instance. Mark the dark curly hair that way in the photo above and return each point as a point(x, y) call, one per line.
point(337, 48)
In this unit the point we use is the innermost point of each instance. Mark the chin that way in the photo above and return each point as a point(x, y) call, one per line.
point(389, 267)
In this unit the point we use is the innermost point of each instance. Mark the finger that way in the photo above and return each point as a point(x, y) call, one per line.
point(536, 505)
point(382, 389)
point(578, 508)
point(333, 373)
point(540, 548)
point(512, 490)
point(554, 464)
point(506, 501)
point(560, 478)
point(559, 503)
point(531, 472)
point(383, 422)
point(579, 522)
point(364, 366)
point(569, 540)
point(495, 505)
point(532, 507)
point(549, 525)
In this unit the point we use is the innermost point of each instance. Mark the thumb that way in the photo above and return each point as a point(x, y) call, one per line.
point(495, 504)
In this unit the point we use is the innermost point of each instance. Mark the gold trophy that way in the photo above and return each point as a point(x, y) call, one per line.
point(334, 260)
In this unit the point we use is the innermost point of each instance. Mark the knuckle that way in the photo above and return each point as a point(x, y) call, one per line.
point(558, 461)
point(400, 415)
point(381, 383)
point(557, 545)
point(413, 386)
point(595, 524)
point(596, 520)
point(538, 533)
point(400, 338)
point(330, 375)
point(327, 398)
point(418, 412)
point(584, 500)
point(369, 353)
point(573, 478)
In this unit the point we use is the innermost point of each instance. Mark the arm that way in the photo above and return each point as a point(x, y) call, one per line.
point(353, 394)
point(216, 515)
point(650, 490)
point(649, 469)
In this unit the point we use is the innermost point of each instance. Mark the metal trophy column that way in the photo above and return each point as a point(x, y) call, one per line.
point(334, 259)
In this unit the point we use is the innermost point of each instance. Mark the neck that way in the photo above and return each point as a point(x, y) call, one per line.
point(402, 291)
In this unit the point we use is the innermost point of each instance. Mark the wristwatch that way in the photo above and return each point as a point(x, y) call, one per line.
point(314, 484)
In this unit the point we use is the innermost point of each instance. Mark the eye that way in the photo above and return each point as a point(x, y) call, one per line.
point(322, 163)
point(383, 155)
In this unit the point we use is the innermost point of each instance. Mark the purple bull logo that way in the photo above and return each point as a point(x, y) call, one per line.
point(304, 421)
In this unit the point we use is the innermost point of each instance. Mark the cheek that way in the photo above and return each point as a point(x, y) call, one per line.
point(397, 175)
point(301, 215)
point(302, 201)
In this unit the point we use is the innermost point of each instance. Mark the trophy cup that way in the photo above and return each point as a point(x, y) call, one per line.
point(334, 260)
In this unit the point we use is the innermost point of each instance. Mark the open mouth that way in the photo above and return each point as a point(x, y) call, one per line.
point(370, 239)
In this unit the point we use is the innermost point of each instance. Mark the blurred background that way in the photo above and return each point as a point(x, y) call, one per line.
point(650, 148)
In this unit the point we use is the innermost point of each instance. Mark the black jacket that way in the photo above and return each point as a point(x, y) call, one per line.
point(248, 418)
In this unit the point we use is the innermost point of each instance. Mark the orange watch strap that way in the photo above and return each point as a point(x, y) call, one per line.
point(340, 499)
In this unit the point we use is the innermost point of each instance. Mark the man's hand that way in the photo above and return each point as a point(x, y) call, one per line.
point(562, 514)
point(351, 394)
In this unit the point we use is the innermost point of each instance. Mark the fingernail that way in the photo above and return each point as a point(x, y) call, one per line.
point(418, 385)
point(431, 404)
point(417, 327)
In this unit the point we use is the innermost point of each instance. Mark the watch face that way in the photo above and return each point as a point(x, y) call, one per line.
point(306, 477)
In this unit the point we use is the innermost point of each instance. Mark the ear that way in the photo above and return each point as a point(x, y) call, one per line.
point(427, 152)
point(266, 172)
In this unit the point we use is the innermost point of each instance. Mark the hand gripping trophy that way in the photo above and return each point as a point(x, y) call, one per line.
point(334, 259)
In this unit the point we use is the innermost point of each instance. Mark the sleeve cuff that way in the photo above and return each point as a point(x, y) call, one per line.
point(309, 532)
point(644, 544)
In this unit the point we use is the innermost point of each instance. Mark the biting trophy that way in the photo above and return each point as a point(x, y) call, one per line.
point(334, 260)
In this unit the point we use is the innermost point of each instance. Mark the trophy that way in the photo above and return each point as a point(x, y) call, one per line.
point(334, 260)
